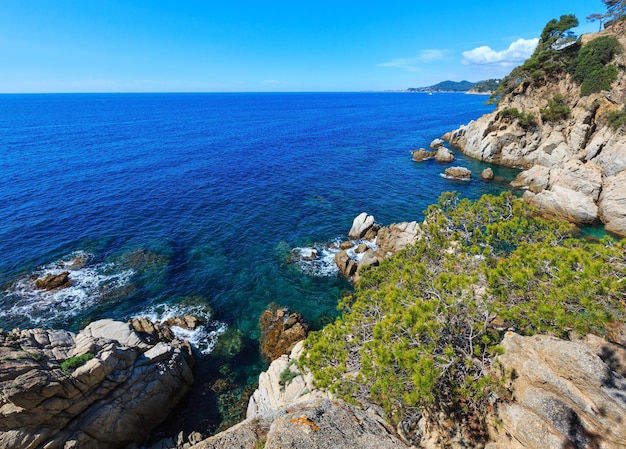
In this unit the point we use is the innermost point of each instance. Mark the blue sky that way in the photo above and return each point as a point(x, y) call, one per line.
point(283, 46)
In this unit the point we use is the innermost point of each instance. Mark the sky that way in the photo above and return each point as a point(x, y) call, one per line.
point(266, 46)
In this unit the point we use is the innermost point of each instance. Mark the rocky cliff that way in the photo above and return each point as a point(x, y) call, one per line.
point(575, 166)
point(105, 387)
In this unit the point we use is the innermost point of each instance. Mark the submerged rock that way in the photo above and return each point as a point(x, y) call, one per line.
point(104, 387)
point(280, 331)
point(54, 281)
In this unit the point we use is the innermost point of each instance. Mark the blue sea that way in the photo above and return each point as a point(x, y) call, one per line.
point(164, 204)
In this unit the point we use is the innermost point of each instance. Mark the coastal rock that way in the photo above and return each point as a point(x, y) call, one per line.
point(422, 155)
point(437, 143)
point(612, 203)
point(360, 225)
point(566, 394)
point(581, 154)
point(346, 265)
point(396, 237)
point(563, 203)
point(458, 173)
point(287, 410)
point(444, 155)
point(185, 322)
point(280, 331)
point(487, 173)
point(55, 396)
point(54, 281)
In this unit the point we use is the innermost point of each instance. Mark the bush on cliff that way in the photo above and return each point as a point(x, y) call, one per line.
point(557, 109)
point(422, 329)
point(617, 119)
point(592, 69)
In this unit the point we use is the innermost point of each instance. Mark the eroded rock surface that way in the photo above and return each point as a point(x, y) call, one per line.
point(119, 388)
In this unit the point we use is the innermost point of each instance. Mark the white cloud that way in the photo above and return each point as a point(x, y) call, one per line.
point(518, 52)
point(411, 64)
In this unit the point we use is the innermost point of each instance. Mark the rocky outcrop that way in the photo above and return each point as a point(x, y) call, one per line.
point(565, 394)
point(574, 167)
point(461, 173)
point(105, 387)
point(288, 411)
point(280, 331)
point(487, 173)
point(422, 155)
point(54, 281)
point(384, 241)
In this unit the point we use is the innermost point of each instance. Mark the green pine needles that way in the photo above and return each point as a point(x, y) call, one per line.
point(422, 329)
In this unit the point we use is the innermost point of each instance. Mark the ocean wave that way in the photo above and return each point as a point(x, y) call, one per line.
point(203, 338)
point(90, 284)
point(319, 259)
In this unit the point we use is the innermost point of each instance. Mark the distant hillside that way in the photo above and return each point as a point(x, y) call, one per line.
point(459, 86)
point(485, 87)
point(445, 86)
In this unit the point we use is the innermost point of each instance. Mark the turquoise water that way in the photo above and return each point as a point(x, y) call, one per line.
point(192, 203)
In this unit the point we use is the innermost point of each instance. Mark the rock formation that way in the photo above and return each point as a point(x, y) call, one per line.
point(106, 387)
point(54, 281)
point(565, 394)
point(575, 166)
point(287, 411)
point(422, 155)
point(354, 256)
point(280, 331)
point(458, 173)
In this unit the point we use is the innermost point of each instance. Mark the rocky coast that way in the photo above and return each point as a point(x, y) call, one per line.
point(574, 165)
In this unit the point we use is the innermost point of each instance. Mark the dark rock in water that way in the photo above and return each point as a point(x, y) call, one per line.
point(102, 388)
point(361, 248)
point(280, 331)
point(186, 322)
point(346, 245)
point(152, 332)
point(54, 281)
point(346, 266)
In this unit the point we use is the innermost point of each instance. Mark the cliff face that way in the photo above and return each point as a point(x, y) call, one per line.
point(575, 167)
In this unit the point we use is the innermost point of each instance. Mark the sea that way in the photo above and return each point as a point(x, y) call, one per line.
point(202, 203)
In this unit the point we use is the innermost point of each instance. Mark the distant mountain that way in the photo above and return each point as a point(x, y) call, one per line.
point(459, 86)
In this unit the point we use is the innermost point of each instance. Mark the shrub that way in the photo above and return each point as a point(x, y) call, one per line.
point(617, 119)
point(287, 375)
point(417, 335)
point(69, 365)
point(557, 109)
point(525, 120)
point(592, 69)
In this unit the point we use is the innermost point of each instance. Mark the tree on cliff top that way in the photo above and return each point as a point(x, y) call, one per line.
point(551, 56)
point(615, 10)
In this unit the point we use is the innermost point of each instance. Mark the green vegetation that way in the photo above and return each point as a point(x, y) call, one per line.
point(525, 119)
point(557, 109)
point(591, 68)
point(615, 11)
point(556, 47)
point(489, 85)
point(418, 334)
point(287, 375)
point(69, 365)
point(617, 119)
point(445, 86)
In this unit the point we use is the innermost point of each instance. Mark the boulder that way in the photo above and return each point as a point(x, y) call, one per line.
point(458, 173)
point(396, 237)
point(437, 143)
point(566, 394)
point(422, 155)
point(280, 331)
point(536, 179)
point(54, 281)
point(564, 204)
point(612, 204)
point(360, 225)
point(346, 265)
point(185, 322)
point(102, 388)
point(487, 173)
point(444, 155)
